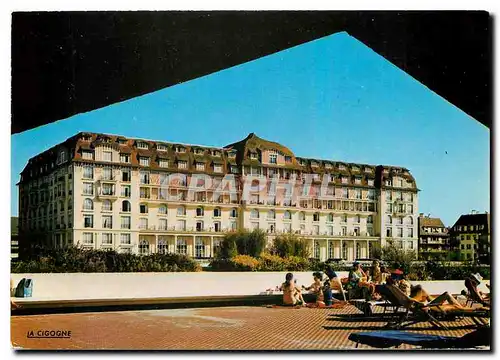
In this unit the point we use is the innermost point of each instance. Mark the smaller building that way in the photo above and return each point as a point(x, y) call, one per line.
point(470, 237)
point(433, 239)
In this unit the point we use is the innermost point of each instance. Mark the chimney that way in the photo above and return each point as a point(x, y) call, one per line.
point(421, 214)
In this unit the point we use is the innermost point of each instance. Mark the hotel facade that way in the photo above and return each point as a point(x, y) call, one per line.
point(133, 195)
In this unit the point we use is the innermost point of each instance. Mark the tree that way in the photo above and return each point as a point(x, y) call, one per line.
point(287, 245)
point(398, 258)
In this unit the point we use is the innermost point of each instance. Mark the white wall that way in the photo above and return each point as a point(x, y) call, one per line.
point(75, 286)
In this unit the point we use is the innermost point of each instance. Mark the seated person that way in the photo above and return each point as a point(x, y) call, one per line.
point(334, 281)
point(471, 283)
point(316, 288)
point(358, 278)
point(291, 294)
point(420, 295)
point(375, 273)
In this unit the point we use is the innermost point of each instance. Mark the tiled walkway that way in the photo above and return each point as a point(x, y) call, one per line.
point(232, 328)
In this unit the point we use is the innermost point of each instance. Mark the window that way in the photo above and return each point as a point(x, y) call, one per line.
point(233, 213)
point(181, 246)
point(181, 225)
point(108, 189)
point(358, 193)
point(126, 206)
point(409, 208)
point(88, 238)
point(144, 177)
point(126, 176)
point(369, 219)
point(162, 210)
point(357, 180)
point(200, 166)
point(162, 224)
point(329, 230)
point(345, 193)
point(88, 172)
point(143, 247)
point(143, 223)
point(410, 245)
point(287, 215)
point(107, 174)
point(200, 211)
point(143, 208)
point(107, 156)
point(344, 231)
point(88, 204)
point(317, 249)
point(62, 157)
point(181, 211)
point(343, 218)
point(163, 163)
point(316, 217)
point(410, 232)
point(410, 221)
point(389, 219)
point(106, 205)
point(88, 221)
point(302, 216)
point(217, 226)
point(144, 193)
point(273, 158)
point(88, 155)
point(107, 222)
point(142, 145)
point(107, 239)
point(125, 222)
point(217, 168)
point(161, 147)
point(271, 214)
point(162, 246)
point(344, 180)
point(400, 232)
point(254, 214)
point(125, 191)
point(143, 161)
point(271, 227)
point(199, 249)
point(125, 158)
point(358, 251)
point(329, 218)
point(217, 212)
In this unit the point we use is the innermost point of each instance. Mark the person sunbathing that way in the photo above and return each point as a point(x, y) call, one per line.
point(358, 278)
point(419, 294)
point(334, 281)
point(291, 294)
point(316, 288)
point(471, 283)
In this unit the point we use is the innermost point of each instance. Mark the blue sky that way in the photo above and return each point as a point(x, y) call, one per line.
point(333, 98)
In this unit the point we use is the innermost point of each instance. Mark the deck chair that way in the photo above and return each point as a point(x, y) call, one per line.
point(420, 312)
point(385, 339)
point(473, 295)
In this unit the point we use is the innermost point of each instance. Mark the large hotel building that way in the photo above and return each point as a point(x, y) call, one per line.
point(134, 195)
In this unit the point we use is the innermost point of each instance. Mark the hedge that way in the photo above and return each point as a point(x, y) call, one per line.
point(79, 260)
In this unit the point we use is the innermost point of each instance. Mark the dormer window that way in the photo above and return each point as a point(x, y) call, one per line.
point(180, 149)
point(217, 168)
point(143, 161)
point(328, 166)
point(200, 166)
point(254, 155)
point(198, 151)
point(341, 167)
point(163, 163)
point(161, 147)
point(62, 157)
point(314, 163)
point(355, 168)
point(142, 145)
point(216, 153)
point(344, 180)
point(357, 180)
point(86, 138)
point(181, 164)
point(370, 182)
point(231, 154)
point(288, 159)
point(121, 141)
point(368, 170)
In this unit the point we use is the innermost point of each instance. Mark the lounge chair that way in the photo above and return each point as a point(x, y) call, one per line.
point(385, 339)
point(473, 295)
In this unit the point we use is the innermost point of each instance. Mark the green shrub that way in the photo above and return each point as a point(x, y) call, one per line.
point(397, 258)
point(245, 263)
point(287, 245)
point(73, 259)
point(268, 262)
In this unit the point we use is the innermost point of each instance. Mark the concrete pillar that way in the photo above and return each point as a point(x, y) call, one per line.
point(175, 244)
point(211, 250)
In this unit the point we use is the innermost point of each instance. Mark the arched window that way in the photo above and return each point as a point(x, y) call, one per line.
point(389, 219)
point(287, 215)
point(254, 214)
point(88, 204)
point(302, 216)
point(162, 246)
point(106, 205)
point(181, 211)
point(217, 212)
point(233, 213)
point(199, 211)
point(143, 247)
point(126, 206)
point(330, 217)
point(410, 220)
point(162, 209)
point(271, 214)
point(316, 217)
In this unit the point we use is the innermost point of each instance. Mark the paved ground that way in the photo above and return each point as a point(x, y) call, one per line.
point(235, 328)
